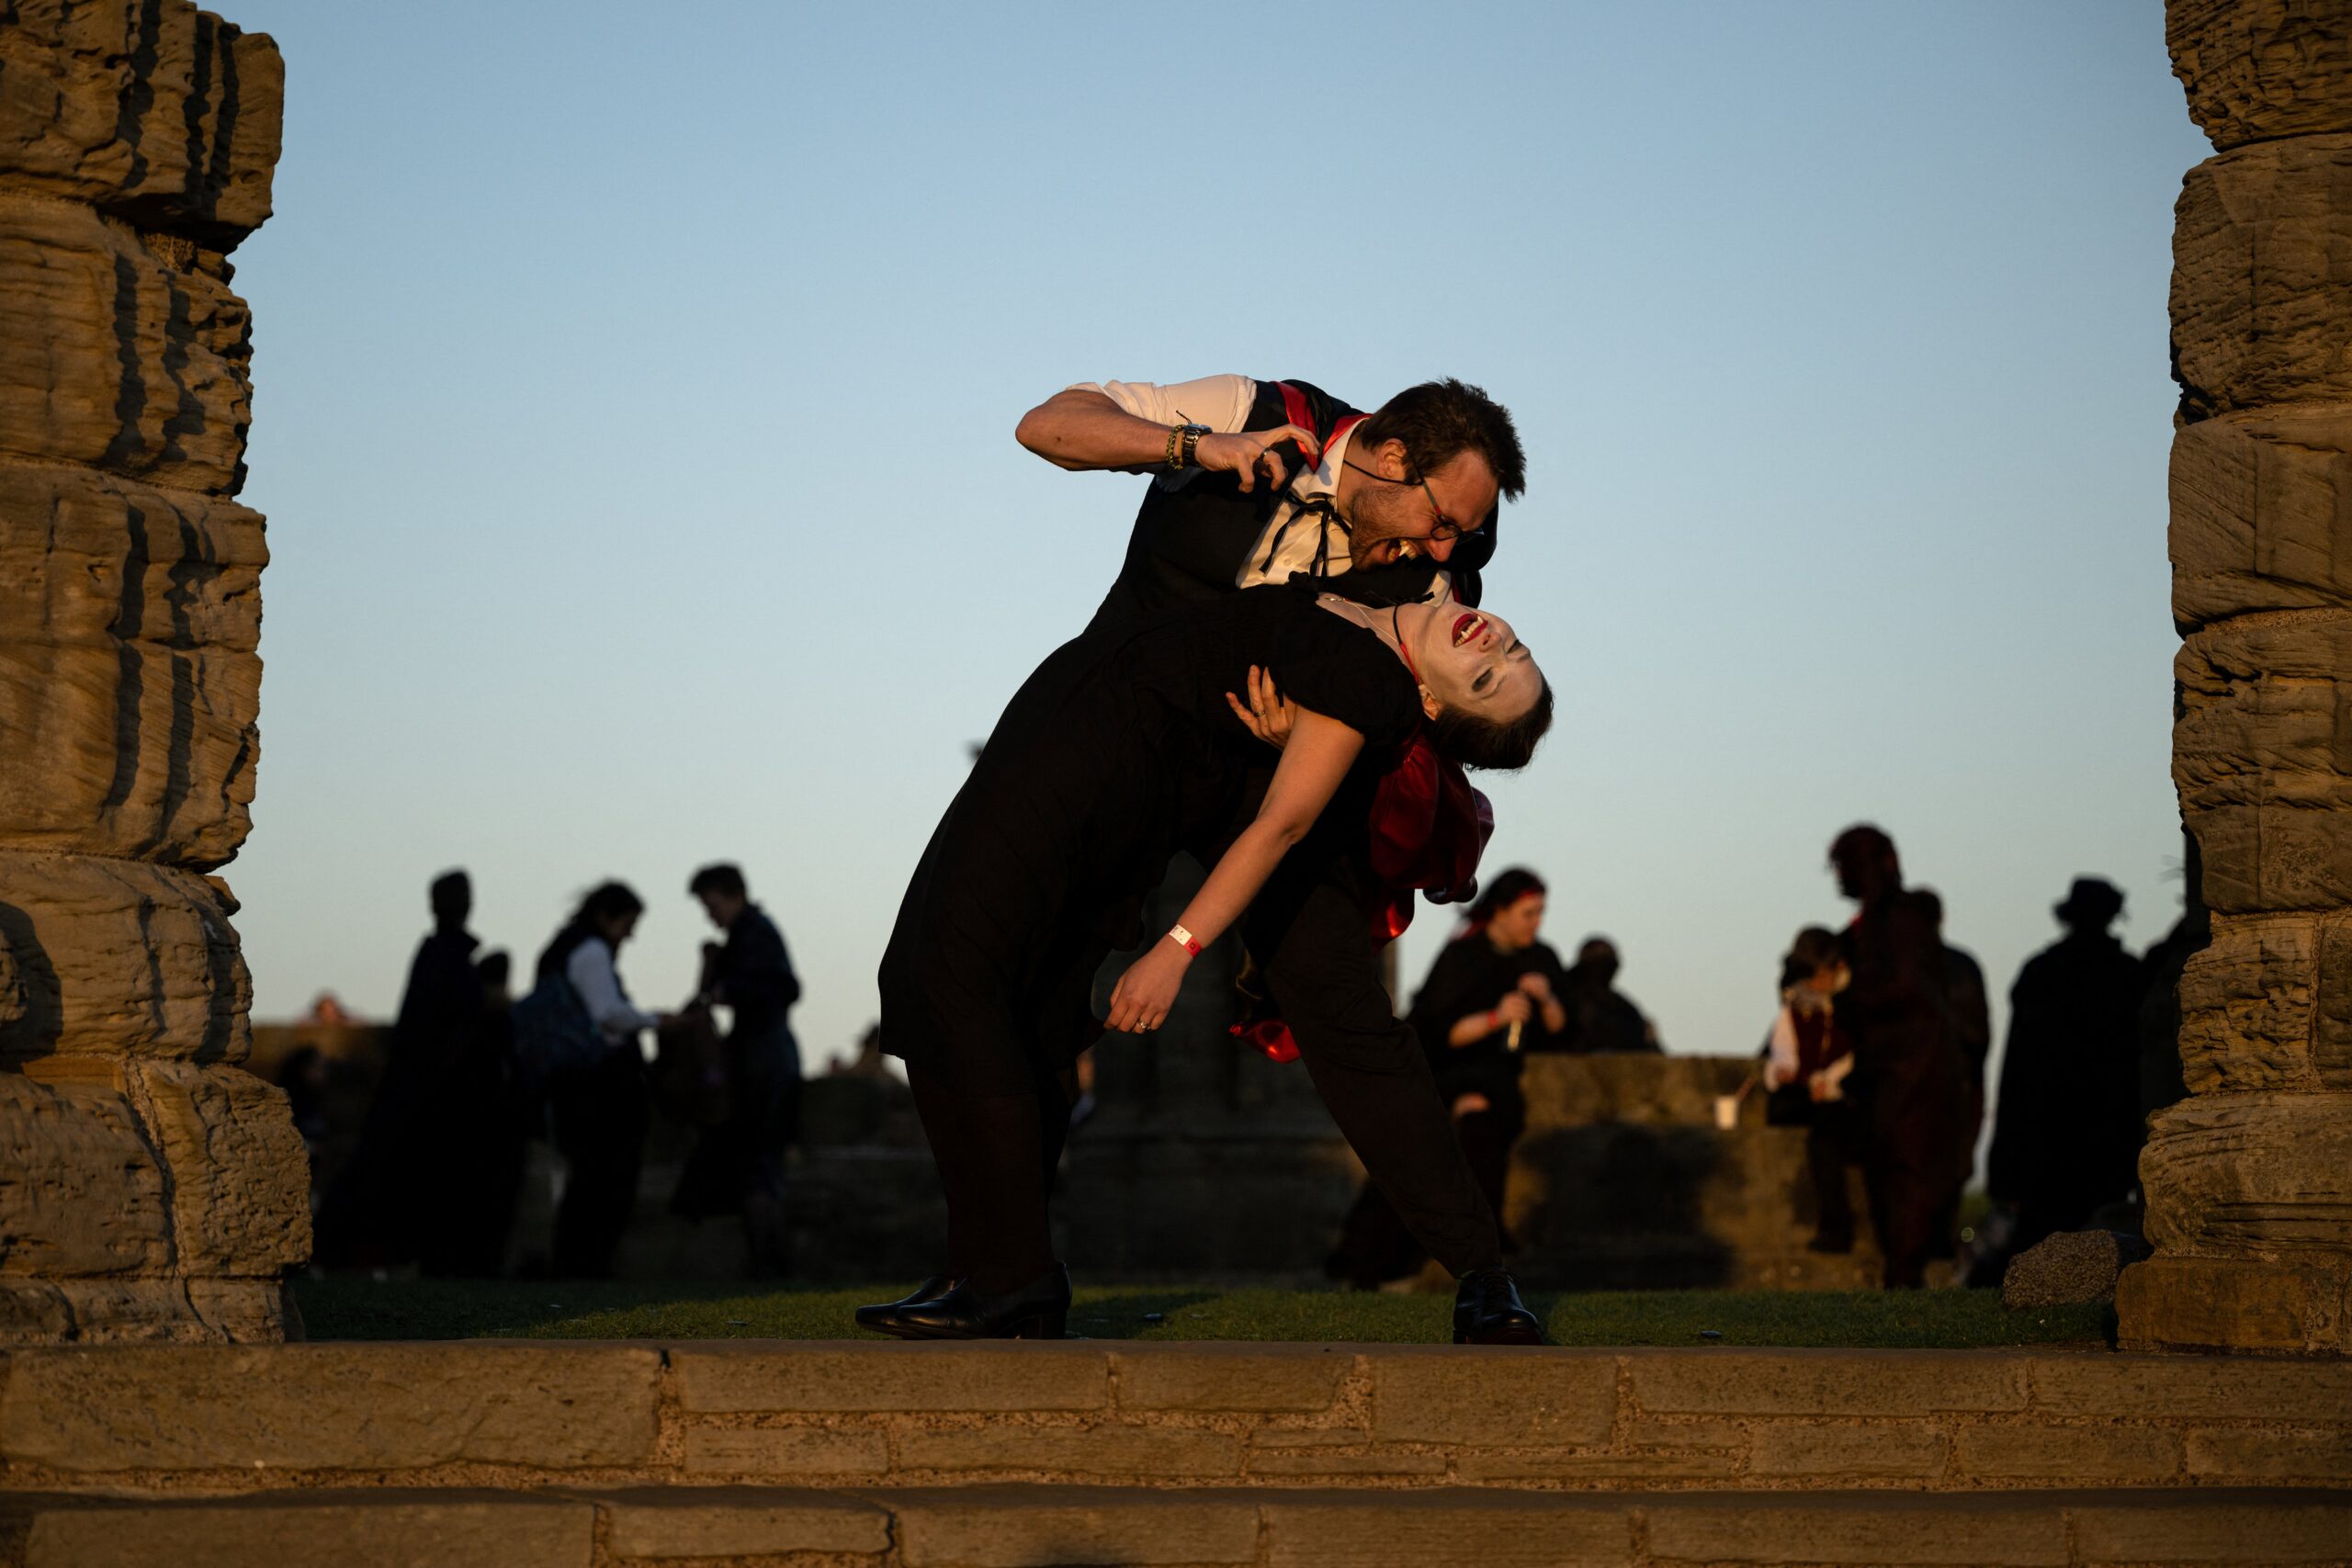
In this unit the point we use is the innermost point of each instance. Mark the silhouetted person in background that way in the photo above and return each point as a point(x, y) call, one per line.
point(1971, 1027)
point(303, 1075)
point(390, 1196)
point(1601, 1017)
point(738, 1165)
point(1808, 1057)
point(598, 1106)
point(481, 1128)
point(1492, 995)
point(1909, 1074)
point(2067, 1139)
point(2163, 1075)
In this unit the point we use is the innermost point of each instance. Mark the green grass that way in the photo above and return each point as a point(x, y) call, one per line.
point(351, 1308)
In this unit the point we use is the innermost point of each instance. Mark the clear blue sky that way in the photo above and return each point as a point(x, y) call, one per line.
point(634, 388)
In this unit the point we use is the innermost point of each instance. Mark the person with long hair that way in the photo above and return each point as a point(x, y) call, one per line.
point(1121, 750)
point(598, 1107)
point(1807, 1058)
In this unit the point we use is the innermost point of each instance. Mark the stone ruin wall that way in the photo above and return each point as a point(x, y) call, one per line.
point(2249, 1181)
point(148, 1188)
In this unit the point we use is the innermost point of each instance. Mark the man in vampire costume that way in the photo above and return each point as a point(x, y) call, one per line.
point(1255, 481)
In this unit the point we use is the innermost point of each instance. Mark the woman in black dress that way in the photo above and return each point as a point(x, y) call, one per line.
point(1120, 751)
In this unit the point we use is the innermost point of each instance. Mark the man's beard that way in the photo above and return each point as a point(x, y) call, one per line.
point(1379, 521)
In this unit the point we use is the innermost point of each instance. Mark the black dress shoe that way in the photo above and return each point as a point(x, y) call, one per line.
point(1487, 1311)
point(883, 1316)
point(1038, 1310)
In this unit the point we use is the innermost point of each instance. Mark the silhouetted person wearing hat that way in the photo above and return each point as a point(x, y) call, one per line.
point(1909, 1074)
point(2066, 1136)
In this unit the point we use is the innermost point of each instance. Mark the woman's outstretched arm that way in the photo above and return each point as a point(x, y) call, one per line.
point(1321, 752)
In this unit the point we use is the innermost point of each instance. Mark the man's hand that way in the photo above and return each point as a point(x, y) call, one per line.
point(1251, 453)
point(1269, 715)
point(1140, 1001)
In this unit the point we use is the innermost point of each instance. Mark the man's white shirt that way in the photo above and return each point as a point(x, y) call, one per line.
point(1222, 403)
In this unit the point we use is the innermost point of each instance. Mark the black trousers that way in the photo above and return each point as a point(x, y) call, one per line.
point(1833, 1140)
point(600, 1119)
point(1375, 1247)
point(1310, 933)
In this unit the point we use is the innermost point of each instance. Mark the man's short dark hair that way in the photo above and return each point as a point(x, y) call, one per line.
point(1438, 420)
point(452, 896)
point(1861, 842)
point(725, 879)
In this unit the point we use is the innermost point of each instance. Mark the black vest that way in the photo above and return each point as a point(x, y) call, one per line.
point(1190, 542)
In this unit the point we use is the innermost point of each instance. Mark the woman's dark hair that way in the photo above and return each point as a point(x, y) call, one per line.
point(607, 901)
point(1815, 946)
point(1501, 894)
point(1477, 741)
point(1438, 420)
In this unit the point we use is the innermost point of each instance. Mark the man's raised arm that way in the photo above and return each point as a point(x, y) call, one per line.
point(1125, 424)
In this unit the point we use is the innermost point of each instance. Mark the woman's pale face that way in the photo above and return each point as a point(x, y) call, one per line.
point(1515, 925)
point(617, 928)
point(1471, 660)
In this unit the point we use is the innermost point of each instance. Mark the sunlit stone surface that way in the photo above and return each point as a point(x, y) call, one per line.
point(2248, 1186)
point(149, 1187)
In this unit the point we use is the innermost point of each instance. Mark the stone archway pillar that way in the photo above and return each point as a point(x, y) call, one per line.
point(2249, 1181)
point(148, 1189)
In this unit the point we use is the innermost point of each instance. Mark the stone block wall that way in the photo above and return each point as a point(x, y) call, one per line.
point(515, 1413)
point(148, 1188)
point(1624, 1181)
point(2249, 1181)
point(735, 1453)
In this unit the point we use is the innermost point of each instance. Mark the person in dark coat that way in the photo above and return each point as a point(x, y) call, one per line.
point(1492, 996)
point(1972, 1025)
point(1909, 1074)
point(394, 1192)
point(1601, 1017)
point(481, 1130)
point(738, 1165)
point(2066, 1138)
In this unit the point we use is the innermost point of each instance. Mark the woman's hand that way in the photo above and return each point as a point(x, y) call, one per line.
point(1536, 986)
point(1513, 1009)
point(1140, 1001)
point(1251, 452)
point(1471, 1104)
point(1269, 715)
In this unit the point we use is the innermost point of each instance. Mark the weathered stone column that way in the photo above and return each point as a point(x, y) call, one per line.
point(148, 1188)
point(2249, 1181)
